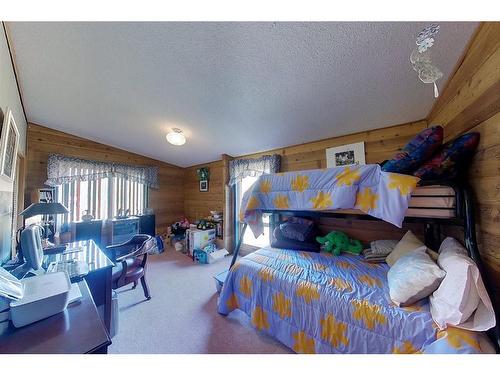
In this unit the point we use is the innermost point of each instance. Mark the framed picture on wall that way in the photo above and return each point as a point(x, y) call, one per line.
point(9, 142)
point(46, 195)
point(204, 185)
point(351, 154)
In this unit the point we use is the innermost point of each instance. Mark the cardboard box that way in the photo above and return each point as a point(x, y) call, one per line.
point(198, 239)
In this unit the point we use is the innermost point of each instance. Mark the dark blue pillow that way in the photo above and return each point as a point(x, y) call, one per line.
point(297, 228)
point(281, 242)
point(416, 152)
point(453, 156)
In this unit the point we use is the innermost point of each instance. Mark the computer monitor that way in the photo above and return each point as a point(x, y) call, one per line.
point(31, 246)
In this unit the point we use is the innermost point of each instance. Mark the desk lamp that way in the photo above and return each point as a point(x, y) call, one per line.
point(48, 209)
point(53, 208)
point(34, 210)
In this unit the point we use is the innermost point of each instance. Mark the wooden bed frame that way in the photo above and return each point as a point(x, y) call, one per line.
point(463, 217)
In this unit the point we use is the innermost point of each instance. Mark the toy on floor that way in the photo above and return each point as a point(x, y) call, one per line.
point(200, 256)
point(204, 225)
point(210, 248)
point(336, 242)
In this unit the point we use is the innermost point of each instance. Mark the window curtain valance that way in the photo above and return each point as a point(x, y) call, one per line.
point(63, 169)
point(241, 168)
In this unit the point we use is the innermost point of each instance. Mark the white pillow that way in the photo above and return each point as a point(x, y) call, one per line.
point(461, 300)
point(414, 276)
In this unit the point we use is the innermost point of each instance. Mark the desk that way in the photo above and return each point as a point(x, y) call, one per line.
point(77, 330)
point(99, 276)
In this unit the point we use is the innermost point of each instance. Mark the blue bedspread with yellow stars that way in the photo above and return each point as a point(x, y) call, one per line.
point(380, 194)
point(319, 303)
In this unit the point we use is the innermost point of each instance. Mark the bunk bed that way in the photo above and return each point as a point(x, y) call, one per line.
point(317, 303)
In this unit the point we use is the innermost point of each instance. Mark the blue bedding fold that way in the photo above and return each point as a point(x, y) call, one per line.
point(365, 187)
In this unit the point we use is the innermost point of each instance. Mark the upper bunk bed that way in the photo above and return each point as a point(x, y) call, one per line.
point(429, 200)
point(366, 193)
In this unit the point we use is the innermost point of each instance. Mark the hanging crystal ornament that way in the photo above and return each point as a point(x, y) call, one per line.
point(428, 32)
point(420, 58)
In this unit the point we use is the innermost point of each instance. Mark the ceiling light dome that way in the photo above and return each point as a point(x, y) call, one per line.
point(176, 137)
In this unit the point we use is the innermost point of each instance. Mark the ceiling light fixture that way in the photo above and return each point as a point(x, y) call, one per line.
point(176, 137)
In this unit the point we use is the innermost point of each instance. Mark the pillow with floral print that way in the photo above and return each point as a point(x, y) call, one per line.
point(418, 150)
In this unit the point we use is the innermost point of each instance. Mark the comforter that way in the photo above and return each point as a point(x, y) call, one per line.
point(319, 303)
point(380, 194)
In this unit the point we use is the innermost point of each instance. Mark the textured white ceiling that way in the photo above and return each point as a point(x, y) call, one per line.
point(234, 88)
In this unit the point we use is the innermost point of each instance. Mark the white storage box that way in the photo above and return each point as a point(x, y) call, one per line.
point(44, 296)
point(198, 239)
point(217, 255)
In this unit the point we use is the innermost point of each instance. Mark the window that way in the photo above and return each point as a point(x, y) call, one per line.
point(102, 198)
point(249, 238)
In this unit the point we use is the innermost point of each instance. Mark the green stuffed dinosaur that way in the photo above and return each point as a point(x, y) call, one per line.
point(335, 242)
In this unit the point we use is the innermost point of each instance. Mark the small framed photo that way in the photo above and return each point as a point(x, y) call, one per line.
point(9, 142)
point(351, 154)
point(204, 185)
point(46, 195)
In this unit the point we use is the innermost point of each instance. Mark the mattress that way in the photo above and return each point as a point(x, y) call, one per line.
point(433, 201)
point(319, 303)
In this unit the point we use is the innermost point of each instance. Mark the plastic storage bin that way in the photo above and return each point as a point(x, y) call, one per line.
point(220, 278)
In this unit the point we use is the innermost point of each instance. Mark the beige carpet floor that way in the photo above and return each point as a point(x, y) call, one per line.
point(182, 315)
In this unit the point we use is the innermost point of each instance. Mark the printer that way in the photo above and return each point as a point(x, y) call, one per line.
point(37, 297)
point(44, 296)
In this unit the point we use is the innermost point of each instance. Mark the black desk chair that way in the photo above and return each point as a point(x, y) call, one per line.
point(130, 260)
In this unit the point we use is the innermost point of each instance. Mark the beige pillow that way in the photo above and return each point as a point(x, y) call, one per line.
point(407, 244)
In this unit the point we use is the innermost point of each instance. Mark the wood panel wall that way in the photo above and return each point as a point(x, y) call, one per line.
point(471, 102)
point(167, 202)
point(380, 144)
point(198, 204)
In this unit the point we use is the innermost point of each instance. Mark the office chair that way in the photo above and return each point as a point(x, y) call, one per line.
point(130, 260)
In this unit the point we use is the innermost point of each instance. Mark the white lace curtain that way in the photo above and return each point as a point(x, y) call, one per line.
point(64, 169)
point(241, 168)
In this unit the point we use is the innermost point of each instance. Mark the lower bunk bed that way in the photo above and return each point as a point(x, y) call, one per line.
point(319, 303)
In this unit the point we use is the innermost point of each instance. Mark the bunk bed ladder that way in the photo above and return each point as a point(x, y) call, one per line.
point(238, 245)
